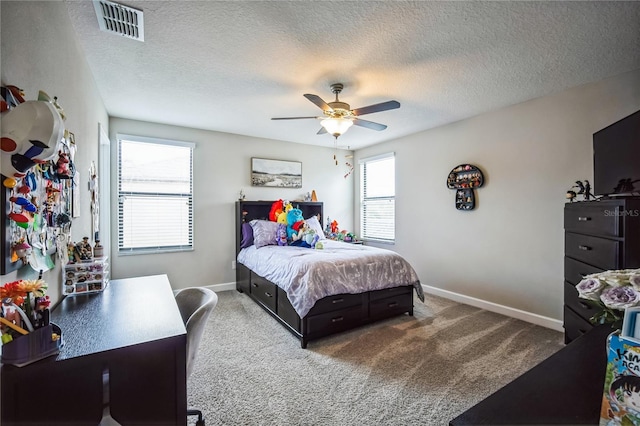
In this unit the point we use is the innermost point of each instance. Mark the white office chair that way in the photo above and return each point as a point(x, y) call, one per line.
point(195, 305)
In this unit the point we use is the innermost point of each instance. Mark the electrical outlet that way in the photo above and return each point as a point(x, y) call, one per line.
point(233, 264)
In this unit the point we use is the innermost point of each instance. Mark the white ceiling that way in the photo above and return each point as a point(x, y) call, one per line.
point(230, 66)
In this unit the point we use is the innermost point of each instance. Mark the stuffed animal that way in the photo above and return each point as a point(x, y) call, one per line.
point(276, 208)
point(281, 235)
point(293, 216)
point(305, 236)
point(282, 218)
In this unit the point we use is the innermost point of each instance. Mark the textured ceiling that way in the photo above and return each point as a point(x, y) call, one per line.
point(230, 66)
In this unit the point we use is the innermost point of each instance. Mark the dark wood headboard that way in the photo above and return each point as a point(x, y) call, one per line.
point(246, 211)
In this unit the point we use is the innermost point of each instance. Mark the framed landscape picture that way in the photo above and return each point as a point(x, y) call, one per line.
point(276, 173)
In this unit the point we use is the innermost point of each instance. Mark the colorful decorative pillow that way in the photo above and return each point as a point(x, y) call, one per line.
point(264, 232)
point(314, 224)
point(247, 235)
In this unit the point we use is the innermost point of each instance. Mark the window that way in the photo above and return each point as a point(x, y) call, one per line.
point(377, 198)
point(155, 195)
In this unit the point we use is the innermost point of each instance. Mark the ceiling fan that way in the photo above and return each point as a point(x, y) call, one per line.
point(338, 116)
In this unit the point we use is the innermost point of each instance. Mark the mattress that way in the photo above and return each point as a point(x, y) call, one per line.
point(307, 275)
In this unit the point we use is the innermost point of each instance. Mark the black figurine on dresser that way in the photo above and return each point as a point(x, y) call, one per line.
point(599, 236)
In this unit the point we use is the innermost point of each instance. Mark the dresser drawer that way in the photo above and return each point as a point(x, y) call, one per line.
point(578, 305)
point(390, 306)
point(333, 321)
point(599, 252)
point(596, 219)
point(574, 325)
point(574, 270)
point(388, 292)
point(264, 291)
point(337, 302)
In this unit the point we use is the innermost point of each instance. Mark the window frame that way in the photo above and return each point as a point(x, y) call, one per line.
point(126, 251)
point(363, 198)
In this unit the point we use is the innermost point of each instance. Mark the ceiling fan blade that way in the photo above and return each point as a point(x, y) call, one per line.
point(322, 131)
point(369, 124)
point(318, 101)
point(384, 106)
point(292, 118)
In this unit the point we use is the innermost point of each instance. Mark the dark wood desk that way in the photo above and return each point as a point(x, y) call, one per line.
point(565, 389)
point(134, 329)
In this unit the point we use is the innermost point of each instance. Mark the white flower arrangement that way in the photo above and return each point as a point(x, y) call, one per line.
point(612, 291)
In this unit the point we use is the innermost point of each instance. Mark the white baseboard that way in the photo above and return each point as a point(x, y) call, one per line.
point(221, 287)
point(494, 307)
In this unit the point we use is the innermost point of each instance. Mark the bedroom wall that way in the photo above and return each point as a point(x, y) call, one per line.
point(509, 250)
point(40, 52)
point(222, 166)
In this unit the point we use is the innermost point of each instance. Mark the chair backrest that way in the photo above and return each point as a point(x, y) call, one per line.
point(195, 305)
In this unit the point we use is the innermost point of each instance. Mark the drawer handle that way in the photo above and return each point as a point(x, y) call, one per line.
point(255, 284)
point(337, 319)
point(584, 305)
point(266, 293)
point(337, 300)
point(392, 305)
point(585, 248)
point(583, 218)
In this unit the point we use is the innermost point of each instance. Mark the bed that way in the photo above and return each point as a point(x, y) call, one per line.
point(316, 293)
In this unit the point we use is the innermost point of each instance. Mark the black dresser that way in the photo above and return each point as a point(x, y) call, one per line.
point(599, 235)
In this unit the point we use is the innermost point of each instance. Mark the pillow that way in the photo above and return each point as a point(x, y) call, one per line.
point(264, 232)
point(247, 236)
point(314, 224)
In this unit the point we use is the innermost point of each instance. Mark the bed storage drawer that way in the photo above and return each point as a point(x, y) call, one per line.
point(336, 303)
point(391, 306)
point(600, 252)
point(264, 291)
point(388, 292)
point(331, 322)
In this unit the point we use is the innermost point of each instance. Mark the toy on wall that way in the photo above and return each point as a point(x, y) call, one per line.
point(34, 155)
point(464, 178)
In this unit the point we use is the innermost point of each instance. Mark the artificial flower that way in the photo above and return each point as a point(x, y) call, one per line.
point(590, 288)
point(13, 291)
point(620, 298)
point(37, 287)
point(612, 292)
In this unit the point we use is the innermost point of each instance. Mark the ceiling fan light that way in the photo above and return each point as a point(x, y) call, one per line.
point(336, 126)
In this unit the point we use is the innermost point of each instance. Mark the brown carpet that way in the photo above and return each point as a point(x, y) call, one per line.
point(421, 370)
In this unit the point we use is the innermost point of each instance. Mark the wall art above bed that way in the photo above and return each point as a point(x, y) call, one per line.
point(464, 178)
point(276, 173)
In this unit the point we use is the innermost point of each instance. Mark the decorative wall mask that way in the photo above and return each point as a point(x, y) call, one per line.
point(464, 178)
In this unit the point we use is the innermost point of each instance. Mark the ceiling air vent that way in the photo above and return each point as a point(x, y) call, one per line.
point(118, 19)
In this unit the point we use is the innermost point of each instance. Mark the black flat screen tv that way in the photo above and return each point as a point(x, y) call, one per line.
point(616, 158)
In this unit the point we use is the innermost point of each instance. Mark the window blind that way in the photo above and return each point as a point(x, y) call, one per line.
point(155, 195)
point(377, 204)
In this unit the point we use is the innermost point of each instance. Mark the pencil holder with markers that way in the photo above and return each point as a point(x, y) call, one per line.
point(27, 335)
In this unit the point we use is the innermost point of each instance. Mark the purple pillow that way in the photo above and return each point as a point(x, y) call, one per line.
point(247, 236)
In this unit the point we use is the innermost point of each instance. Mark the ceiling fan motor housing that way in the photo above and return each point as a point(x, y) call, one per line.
point(340, 109)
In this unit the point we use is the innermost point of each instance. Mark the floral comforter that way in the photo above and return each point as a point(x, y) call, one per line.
point(308, 275)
